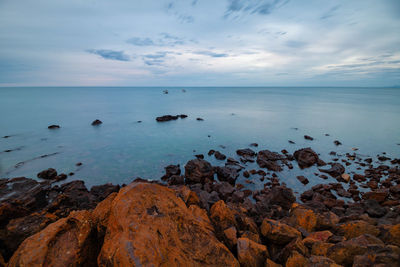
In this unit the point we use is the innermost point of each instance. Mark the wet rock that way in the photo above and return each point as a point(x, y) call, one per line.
point(198, 170)
point(345, 177)
point(48, 174)
point(54, 126)
point(101, 192)
point(373, 208)
point(211, 152)
point(250, 253)
point(268, 159)
point(392, 235)
point(246, 152)
point(219, 156)
point(246, 174)
point(171, 170)
point(277, 232)
point(96, 122)
point(291, 142)
point(306, 157)
point(199, 156)
point(336, 170)
point(227, 174)
point(303, 179)
point(337, 143)
point(167, 118)
point(160, 219)
point(307, 137)
point(176, 180)
point(254, 144)
point(200, 119)
point(379, 195)
point(183, 116)
point(282, 196)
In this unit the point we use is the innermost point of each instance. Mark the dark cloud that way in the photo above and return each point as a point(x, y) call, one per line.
point(156, 59)
point(263, 7)
point(110, 54)
point(211, 54)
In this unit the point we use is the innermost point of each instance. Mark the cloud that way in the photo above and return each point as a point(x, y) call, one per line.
point(330, 12)
point(156, 59)
point(211, 54)
point(140, 41)
point(263, 7)
point(164, 39)
point(110, 54)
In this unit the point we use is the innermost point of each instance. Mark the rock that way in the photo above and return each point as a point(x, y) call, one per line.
point(68, 242)
point(336, 170)
point(392, 235)
point(267, 159)
point(246, 152)
point(222, 216)
point(327, 220)
point(307, 137)
point(250, 253)
point(211, 152)
point(320, 236)
point(320, 261)
point(291, 142)
point(337, 142)
point(373, 208)
point(147, 216)
point(199, 156)
point(303, 179)
point(96, 122)
point(320, 248)
point(48, 174)
point(54, 126)
point(230, 237)
point(219, 156)
point(303, 217)
point(101, 192)
point(344, 252)
point(254, 144)
point(277, 232)
point(281, 196)
point(167, 118)
point(171, 170)
point(297, 260)
point(198, 170)
point(246, 174)
point(200, 119)
point(227, 174)
point(354, 229)
point(270, 263)
point(183, 116)
point(345, 177)
point(378, 195)
point(306, 157)
point(176, 180)
point(388, 256)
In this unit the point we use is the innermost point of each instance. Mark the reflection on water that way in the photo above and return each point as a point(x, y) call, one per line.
point(121, 148)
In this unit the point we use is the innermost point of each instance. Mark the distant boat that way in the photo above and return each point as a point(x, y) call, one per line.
point(165, 92)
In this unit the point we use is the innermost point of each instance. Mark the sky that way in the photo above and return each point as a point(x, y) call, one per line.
point(199, 43)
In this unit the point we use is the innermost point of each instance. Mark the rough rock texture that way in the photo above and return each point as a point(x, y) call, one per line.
point(163, 225)
point(250, 253)
point(306, 157)
point(198, 170)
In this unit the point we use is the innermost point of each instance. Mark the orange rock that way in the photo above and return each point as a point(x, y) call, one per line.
point(320, 248)
point(102, 212)
point(303, 217)
point(187, 195)
point(294, 245)
point(222, 216)
point(150, 226)
point(67, 242)
point(344, 252)
point(252, 236)
point(327, 220)
point(393, 235)
point(297, 260)
point(250, 253)
point(356, 228)
point(278, 232)
point(270, 263)
point(321, 236)
point(230, 237)
point(319, 261)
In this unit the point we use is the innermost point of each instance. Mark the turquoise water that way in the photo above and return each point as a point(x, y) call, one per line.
point(122, 149)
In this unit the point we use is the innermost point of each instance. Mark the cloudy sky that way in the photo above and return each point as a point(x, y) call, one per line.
point(199, 43)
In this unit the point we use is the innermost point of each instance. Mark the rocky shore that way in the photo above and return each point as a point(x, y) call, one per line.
point(199, 215)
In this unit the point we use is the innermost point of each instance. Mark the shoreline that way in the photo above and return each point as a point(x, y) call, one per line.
point(319, 227)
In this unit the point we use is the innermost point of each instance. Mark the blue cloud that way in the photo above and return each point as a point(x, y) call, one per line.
point(110, 54)
point(263, 7)
point(330, 13)
point(211, 54)
point(140, 41)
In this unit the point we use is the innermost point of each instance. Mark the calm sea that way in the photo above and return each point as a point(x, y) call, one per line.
point(122, 149)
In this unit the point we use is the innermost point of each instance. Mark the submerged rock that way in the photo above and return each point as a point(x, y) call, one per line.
point(96, 122)
point(306, 157)
point(51, 127)
point(336, 170)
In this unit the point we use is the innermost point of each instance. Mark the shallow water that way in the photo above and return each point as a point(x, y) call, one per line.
point(122, 149)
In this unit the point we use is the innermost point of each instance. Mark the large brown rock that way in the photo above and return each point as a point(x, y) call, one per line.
point(198, 170)
point(303, 217)
point(277, 232)
point(222, 216)
point(356, 228)
point(68, 242)
point(335, 170)
point(306, 157)
point(250, 253)
point(150, 226)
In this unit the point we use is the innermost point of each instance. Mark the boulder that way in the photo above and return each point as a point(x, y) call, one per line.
point(222, 216)
point(96, 122)
point(167, 118)
point(354, 229)
point(303, 217)
point(48, 174)
point(277, 232)
point(150, 226)
point(336, 170)
point(54, 126)
point(268, 159)
point(227, 174)
point(198, 170)
point(306, 157)
point(250, 253)
point(219, 156)
point(246, 152)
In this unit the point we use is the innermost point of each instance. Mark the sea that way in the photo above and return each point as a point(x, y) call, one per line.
point(130, 143)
